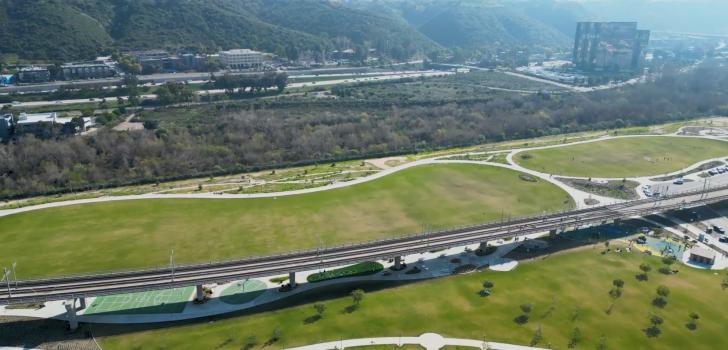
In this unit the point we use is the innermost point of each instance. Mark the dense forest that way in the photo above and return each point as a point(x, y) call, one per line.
point(227, 138)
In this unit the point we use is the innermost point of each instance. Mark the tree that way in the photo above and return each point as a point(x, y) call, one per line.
point(281, 80)
point(693, 322)
point(537, 336)
point(663, 291)
point(320, 308)
point(276, 335)
point(575, 337)
point(654, 329)
point(487, 284)
point(602, 345)
point(619, 283)
point(250, 342)
point(357, 295)
point(668, 260)
point(645, 269)
point(656, 320)
point(526, 308)
point(615, 293)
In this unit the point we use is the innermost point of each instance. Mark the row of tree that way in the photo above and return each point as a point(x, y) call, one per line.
point(251, 83)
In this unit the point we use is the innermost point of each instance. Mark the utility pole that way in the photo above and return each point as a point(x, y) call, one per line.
point(171, 263)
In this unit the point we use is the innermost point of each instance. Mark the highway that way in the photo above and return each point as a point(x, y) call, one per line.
point(129, 281)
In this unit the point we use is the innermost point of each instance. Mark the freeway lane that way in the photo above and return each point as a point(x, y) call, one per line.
point(122, 282)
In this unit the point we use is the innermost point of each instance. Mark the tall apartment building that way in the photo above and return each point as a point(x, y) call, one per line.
point(610, 46)
point(242, 59)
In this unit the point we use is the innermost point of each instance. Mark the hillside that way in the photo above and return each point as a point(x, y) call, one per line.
point(49, 30)
point(347, 27)
point(481, 23)
point(75, 29)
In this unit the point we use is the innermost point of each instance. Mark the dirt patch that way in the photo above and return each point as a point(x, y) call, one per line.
point(386, 163)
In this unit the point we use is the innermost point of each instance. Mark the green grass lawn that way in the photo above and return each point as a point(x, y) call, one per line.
point(566, 291)
point(626, 157)
point(141, 233)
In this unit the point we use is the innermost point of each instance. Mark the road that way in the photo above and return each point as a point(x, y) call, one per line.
point(335, 80)
point(130, 281)
point(168, 77)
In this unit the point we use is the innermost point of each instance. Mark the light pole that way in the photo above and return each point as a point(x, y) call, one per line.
point(15, 277)
point(6, 277)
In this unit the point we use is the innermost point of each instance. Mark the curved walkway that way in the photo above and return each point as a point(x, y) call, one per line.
point(578, 195)
point(429, 341)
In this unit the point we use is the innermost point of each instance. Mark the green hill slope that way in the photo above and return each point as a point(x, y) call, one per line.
point(49, 30)
point(347, 27)
point(485, 23)
point(74, 29)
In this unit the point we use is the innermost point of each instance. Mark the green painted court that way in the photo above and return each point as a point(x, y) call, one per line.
point(168, 301)
point(242, 292)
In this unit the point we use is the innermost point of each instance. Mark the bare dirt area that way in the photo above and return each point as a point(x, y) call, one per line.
point(386, 163)
point(128, 125)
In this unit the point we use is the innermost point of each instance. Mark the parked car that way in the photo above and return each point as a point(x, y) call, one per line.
point(712, 172)
point(723, 240)
point(679, 181)
point(718, 229)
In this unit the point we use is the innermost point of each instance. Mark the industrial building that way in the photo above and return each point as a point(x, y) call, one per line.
point(161, 61)
point(610, 46)
point(34, 74)
point(87, 70)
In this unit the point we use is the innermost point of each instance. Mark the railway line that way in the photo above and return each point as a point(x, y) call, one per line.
point(187, 275)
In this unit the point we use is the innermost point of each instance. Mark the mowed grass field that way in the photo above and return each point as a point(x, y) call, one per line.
point(567, 291)
point(141, 233)
point(623, 157)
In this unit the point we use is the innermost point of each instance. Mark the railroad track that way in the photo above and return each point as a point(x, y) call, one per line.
point(188, 275)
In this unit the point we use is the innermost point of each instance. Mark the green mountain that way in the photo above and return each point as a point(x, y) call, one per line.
point(74, 29)
point(483, 23)
point(346, 27)
point(48, 30)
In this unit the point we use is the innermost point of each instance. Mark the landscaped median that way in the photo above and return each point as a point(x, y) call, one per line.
point(361, 269)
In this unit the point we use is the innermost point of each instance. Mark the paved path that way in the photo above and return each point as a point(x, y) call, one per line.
point(429, 341)
point(578, 195)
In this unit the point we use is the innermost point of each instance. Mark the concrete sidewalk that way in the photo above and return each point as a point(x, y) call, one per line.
point(429, 341)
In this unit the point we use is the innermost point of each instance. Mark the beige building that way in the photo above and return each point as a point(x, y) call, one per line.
point(242, 59)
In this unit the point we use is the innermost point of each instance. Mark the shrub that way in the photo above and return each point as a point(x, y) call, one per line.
point(361, 269)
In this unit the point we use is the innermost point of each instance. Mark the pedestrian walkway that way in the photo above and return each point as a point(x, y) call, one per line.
point(429, 341)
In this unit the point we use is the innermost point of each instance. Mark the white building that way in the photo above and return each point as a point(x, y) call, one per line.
point(242, 59)
point(25, 118)
point(32, 123)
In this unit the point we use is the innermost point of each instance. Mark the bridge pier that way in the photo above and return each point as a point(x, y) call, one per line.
point(483, 246)
point(199, 293)
point(292, 279)
point(82, 302)
point(397, 263)
point(70, 305)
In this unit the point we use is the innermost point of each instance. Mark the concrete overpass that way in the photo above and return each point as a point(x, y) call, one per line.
point(79, 287)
